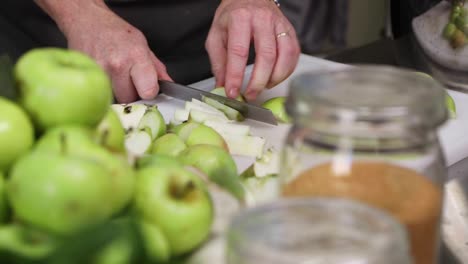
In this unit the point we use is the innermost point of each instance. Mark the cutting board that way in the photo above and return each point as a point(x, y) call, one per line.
point(453, 137)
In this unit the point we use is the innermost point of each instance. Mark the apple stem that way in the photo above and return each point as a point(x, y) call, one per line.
point(180, 193)
point(63, 143)
point(105, 135)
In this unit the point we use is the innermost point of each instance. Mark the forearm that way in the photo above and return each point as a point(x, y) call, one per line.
point(67, 13)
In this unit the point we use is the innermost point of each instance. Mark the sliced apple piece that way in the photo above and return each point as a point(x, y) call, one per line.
point(181, 115)
point(268, 164)
point(231, 113)
point(222, 92)
point(201, 116)
point(190, 105)
point(228, 128)
point(138, 142)
point(184, 130)
point(204, 105)
point(153, 120)
point(130, 115)
point(250, 146)
point(261, 190)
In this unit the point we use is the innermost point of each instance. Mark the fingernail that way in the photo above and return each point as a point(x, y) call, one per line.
point(232, 93)
point(251, 95)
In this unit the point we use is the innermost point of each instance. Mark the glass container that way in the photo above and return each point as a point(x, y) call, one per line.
point(316, 231)
point(369, 133)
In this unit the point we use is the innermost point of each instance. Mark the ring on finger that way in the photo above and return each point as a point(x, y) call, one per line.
point(282, 34)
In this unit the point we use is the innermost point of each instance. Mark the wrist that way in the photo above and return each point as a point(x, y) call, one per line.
point(67, 14)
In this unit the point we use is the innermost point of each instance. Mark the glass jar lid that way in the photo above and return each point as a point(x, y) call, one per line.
point(350, 100)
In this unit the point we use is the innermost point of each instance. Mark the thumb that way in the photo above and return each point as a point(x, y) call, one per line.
point(145, 80)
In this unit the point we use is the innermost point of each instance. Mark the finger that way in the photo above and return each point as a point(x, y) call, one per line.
point(265, 50)
point(161, 68)
point(288, 50)
point(122, 85)
point(216, 47)
point(145, 79)
point(239, 34)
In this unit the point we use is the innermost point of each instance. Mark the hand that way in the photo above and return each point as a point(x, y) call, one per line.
point(235, 24)
point(118, 47)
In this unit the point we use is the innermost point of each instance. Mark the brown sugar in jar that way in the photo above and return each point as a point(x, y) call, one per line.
point(409, 196)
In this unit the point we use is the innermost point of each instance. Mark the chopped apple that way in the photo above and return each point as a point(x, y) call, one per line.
point(138, 142)
point(251, 146)
point(231, 113)
point(181, 115)
point(204, 105)
point(184, 130)
point(190, 105)
point(228, 128)
point(268, 164)
point(222, 92)
point(201, 116)
point(261, 190)
point(153, 121)
point(130, 115)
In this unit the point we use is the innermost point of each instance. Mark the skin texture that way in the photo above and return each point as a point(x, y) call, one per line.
point(90, 26)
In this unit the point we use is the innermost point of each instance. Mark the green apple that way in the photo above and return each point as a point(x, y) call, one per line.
point(16, 133)
point(154, 121)
point(58, 193)
point(169, 144)
point(155, 243)
point(183, 130)
point(118, 251)
point(231, 113)
point(27, 242)
point(77, 141)
point(222, 92)
point(110, 132)
point(177, 201)
point(157, 160)
point(450, 103)
point(129, 115)
point(205, 135)
point(217, 164)
point(276, 106)
point(60, 86)
point(3, 200)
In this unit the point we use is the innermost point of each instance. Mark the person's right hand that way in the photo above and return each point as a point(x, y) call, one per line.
point(120, 48)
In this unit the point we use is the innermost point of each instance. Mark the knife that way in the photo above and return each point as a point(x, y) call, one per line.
point(186, 93)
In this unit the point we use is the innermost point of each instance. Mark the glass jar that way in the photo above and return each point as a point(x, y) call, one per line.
point(316, 231)
point(369, 133)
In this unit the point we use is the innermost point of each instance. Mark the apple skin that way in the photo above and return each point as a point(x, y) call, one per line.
point(276, 105)
point(205, 135)
point(110, 132)
point(217, 164)
point(169, 144)
point(16, 133)
point(3, 200)
point(26, 241)
point(222, 92)
point(177, 201)
point(155, 243)
point(79, 143)
point(58, 193)
point(157, 160)
point(61, 86)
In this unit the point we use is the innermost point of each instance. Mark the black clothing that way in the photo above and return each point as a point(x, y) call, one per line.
point(176, 31)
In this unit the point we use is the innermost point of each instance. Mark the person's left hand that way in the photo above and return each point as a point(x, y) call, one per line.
point(235, 24)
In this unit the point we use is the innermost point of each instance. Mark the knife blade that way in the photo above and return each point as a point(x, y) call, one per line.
point(186, 93)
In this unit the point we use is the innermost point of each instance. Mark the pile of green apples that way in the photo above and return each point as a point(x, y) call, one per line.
point(71, 161)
